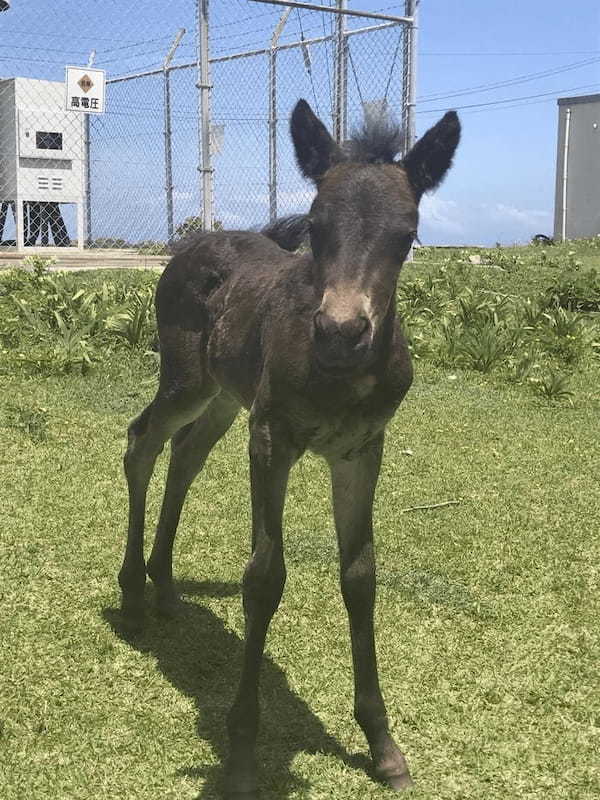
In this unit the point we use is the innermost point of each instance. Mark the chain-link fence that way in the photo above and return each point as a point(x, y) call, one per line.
point(183, 142)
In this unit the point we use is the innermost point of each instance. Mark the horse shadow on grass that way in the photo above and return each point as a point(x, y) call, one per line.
point(202, 659)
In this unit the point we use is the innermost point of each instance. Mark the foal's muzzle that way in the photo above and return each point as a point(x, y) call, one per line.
point(341, 346)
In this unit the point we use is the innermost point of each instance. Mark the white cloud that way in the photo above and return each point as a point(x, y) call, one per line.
point(451, 222)
point(521, 216)
point(443, 216)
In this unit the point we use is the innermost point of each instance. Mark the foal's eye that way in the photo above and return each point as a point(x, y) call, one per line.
point(403, 241)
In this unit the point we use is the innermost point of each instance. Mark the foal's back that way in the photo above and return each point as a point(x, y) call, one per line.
point(210, 263)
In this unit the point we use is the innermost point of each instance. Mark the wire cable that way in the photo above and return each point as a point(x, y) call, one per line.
point(307, 64)
point(393, 67)
point(509, 99)
point(362, 101)
point(527, 77)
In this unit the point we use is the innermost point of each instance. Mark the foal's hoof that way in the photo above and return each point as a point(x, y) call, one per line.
point(399, 783)
point(133, 614)
point(395, 774)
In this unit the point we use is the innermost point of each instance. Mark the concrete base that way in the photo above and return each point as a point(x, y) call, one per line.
point(72, 258)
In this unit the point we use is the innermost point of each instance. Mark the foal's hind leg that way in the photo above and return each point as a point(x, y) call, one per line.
point(146, 438)
point(184, 392)
point(190, 448)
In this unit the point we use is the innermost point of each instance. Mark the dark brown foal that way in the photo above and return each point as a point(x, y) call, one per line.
point(311, 346)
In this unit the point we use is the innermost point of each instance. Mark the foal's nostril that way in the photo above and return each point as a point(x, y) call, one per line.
point(354, 329)
point(324, 324)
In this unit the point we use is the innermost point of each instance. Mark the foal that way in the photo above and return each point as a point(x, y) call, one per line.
point(311, 345)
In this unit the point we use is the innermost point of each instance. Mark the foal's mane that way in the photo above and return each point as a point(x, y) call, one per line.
point(378, 140)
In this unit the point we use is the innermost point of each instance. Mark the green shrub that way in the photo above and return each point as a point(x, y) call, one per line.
point(483, 347)
point(133, 322)
point(55, 323)
point(576, 289)
point(192, 225)
point(552, 386)
point(562, 334)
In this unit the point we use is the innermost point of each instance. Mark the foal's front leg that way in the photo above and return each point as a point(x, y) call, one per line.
point(270, 462)
point(353, 488)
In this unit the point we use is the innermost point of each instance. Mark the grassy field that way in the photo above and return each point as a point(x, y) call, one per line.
point(488, 610)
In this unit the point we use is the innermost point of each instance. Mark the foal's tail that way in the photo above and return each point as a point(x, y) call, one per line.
point(290, 233)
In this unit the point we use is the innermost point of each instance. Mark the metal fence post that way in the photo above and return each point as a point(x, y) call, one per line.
point(20, 222)
point(203, 71)
point(341, 75)
point(168, 134)
point(273, 114)
point(168, 154)
point(88, 181)
point(88, 171)
point(409, 84)
point(409, 77)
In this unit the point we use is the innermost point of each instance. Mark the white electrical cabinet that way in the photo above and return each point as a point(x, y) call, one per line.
point(42, 158)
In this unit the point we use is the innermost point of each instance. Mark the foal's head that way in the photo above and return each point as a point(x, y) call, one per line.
point(362, 224)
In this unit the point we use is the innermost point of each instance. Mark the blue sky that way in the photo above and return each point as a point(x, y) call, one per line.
point(502, 185)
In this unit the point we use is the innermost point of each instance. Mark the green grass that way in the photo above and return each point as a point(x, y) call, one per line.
point(487, 614)
point(523, 269)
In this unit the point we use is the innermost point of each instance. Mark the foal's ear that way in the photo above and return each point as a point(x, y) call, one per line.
point(430, 159)
point(316, 150)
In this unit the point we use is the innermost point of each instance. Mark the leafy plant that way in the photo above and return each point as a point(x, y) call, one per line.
point(132, 323)
point(525, 361)
point(72, 348)
point(576, 289)
point(529, 313)
point(457, 278)
point(451, 330)
point(482, 348)
point(192, 225)
point(474, 308)
point(564, 323)
point(31, 316)
point(39, 265)
point(562, 334)
point(552, 386)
